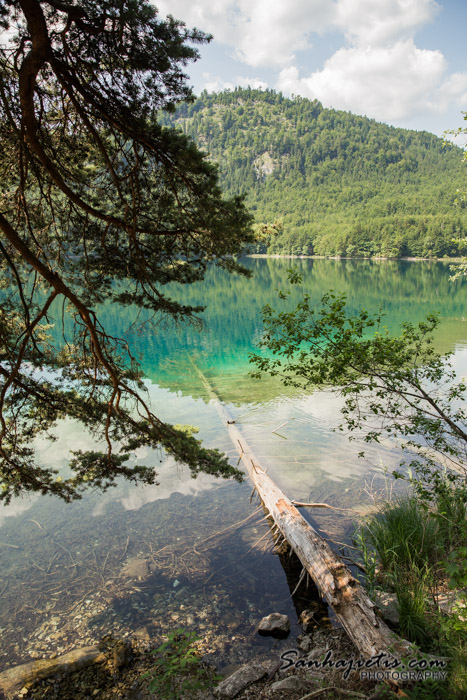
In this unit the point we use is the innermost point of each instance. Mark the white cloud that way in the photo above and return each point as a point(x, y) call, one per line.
point(379, 71)
point(261, 32)
point(379, 22)
point(383, 83)
point(215, 83)
point(214, 17)
point(255, 83)
point(270, 32)
point(273, 31)
point(455, 88)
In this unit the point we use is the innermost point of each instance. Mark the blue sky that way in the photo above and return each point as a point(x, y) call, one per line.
point(403, 62)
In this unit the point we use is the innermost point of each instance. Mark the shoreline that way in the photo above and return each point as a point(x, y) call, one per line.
point(346, 257)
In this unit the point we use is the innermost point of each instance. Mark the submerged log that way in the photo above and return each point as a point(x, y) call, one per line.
point(342, 592)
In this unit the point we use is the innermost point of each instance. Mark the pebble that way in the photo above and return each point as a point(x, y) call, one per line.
point(142, 634)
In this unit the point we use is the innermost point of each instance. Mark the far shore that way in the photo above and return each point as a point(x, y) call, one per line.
point(345, 257)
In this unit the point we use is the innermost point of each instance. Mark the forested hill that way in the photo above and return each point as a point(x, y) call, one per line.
point(332, 182)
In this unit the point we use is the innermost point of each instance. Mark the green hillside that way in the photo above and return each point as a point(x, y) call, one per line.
point(332, 182)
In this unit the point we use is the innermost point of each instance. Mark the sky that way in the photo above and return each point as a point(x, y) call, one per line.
point(403, 62)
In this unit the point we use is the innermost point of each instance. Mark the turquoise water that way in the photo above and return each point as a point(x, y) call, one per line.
point(143, 559)
point(232, 319)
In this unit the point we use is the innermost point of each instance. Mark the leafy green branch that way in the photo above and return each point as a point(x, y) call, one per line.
point(393, 387)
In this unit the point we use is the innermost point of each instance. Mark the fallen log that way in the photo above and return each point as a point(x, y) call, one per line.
point(343, 593)
point(14, 679)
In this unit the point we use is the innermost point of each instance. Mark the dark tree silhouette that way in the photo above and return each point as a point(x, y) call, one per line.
point(98, 201)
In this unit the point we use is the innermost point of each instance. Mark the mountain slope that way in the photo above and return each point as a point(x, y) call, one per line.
point(332, 182)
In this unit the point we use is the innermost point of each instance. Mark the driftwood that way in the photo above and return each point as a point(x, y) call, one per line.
point(14, 679)
point(337, 586)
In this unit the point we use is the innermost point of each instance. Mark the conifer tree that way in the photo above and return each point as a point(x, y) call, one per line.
point(98, 201)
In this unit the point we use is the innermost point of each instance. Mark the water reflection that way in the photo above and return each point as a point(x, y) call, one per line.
point(71, 572)
point(232, 320)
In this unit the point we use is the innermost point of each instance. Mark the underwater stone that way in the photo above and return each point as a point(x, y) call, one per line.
point(121, 654)
point(135, 568)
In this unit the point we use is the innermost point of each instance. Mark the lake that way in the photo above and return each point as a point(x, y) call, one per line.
point(197, 553)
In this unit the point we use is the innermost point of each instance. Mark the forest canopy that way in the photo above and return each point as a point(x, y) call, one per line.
point(94, 189)
point(327, 182)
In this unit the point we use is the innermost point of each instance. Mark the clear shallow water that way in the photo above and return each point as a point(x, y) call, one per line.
point(143, 559)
